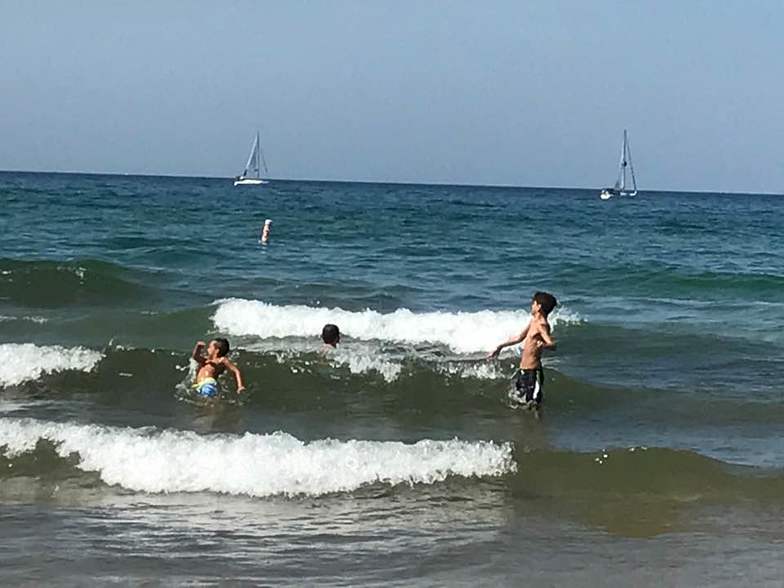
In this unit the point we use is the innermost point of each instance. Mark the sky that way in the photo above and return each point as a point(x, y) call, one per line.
point(502, 93)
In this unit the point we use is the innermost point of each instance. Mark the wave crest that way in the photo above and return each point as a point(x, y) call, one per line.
point(256, 465)
point(463, 332)
point(23, 362)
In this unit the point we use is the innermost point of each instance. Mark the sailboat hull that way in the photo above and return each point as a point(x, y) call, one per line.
point(249, 182)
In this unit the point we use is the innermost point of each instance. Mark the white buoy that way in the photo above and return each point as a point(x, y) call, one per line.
point(265, 231)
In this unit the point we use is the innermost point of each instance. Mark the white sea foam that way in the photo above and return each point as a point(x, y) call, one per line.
point(33, 319)
point(11, 406)
point(24, 362)
point(377, 357)
point(463, 332)
point(357, 357)
point(363, 363)
point(391, 369)
point(148, 460)
point(480, 371)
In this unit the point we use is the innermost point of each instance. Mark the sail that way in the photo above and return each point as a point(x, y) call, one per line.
point(621, 183)
point(251, 175)
point(628, 150)
point(627, 167)
point(253, 160)
point(260, 153)
point(625, 173)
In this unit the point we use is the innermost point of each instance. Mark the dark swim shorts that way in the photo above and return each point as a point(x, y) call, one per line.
point(528, 386)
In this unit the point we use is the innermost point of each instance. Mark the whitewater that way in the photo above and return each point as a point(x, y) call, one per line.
point(462, 332)
point(149, 460)
point(27, 362)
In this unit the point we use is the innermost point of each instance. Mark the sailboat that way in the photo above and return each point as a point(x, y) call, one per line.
point(621, 187)
point(251, 175)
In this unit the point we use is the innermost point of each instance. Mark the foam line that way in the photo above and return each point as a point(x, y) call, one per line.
point(149, 460)
point(463, 332)
point(26, 362)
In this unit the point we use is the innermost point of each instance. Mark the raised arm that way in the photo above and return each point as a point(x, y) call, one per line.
point(237, 375)
point(197, 354)
point(512, 341)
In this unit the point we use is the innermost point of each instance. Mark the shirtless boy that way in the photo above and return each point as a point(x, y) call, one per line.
point(211, 365)
point(529, 379)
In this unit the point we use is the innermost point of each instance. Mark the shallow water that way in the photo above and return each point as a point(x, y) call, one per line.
point(658, 457)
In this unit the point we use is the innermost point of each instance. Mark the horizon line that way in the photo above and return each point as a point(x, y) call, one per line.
point(383, 182)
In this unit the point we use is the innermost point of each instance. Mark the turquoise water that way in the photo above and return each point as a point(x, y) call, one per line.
point(664, 402)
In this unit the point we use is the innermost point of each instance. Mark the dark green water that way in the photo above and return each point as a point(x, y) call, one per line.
point(395, 459)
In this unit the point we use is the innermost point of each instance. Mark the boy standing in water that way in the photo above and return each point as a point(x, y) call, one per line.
point(529, 379)
point(213, 364)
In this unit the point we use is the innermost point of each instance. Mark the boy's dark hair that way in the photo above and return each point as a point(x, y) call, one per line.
point(547, 301)
point(223, 346)
point(330, 334)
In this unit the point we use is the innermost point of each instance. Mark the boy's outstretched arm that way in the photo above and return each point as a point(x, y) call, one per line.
point(512, 341)
point(237, 375)
point(197, 355)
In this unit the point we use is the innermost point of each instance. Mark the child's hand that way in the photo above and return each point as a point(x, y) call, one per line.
point(493, 354)
point(241, 390)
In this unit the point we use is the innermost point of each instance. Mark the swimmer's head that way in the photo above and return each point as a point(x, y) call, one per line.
point(268, 222)
point(330, 334)
point(218, 347)
point(543, 302)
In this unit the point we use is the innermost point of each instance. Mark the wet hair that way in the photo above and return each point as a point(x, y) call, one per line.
point(223, 346)
point(330, 334)
point(546, 300)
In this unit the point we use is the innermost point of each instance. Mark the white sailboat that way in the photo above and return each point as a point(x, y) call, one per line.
point(625, 166)
point(251, 175)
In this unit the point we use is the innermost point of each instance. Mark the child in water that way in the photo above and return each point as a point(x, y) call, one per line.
point(330, 334)
point(529, 379)
point(211, 365)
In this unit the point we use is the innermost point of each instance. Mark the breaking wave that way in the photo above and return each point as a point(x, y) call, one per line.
point(463, 332)
point(150, 460)
point(23, 362)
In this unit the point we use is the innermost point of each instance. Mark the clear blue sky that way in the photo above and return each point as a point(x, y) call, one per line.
point(521, 93)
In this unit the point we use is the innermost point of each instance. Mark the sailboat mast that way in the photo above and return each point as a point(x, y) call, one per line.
point(258, 174)
point(620, 184)
point(623, 160)
point(631, 165)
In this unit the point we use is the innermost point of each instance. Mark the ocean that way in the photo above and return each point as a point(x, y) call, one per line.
point(397, 460)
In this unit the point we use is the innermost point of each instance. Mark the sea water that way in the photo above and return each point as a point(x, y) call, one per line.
point(658, 457)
